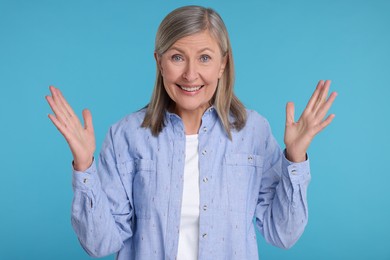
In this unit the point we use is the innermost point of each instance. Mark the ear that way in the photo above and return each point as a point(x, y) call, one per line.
point(223, 66)
point(158, 62)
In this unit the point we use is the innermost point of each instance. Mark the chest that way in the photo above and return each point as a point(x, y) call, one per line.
point(229, 174)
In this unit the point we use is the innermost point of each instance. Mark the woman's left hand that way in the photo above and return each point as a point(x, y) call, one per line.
point(298, 135)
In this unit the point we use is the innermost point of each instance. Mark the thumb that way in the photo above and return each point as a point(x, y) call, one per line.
point(290, 110)
point(87, 116)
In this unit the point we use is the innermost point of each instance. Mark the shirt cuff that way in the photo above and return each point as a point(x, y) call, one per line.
point(297, 172)
point(85, 180)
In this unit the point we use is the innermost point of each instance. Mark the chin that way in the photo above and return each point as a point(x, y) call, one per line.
point(191, 107)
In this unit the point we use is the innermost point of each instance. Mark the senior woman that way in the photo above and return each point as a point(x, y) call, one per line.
point(184, 177)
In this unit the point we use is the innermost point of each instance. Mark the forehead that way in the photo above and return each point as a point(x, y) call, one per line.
point(197, 41)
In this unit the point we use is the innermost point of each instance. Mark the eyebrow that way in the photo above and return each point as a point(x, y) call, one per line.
point(182, 51)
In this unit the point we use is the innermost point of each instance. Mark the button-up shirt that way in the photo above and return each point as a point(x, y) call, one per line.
point(130, 203)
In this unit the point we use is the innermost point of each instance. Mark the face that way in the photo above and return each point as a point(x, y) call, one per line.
point(190, 69)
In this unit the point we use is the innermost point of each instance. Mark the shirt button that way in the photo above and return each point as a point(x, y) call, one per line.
point(85, 181)
point(293, 171)
point(204, 235)
point(204, 152)
point(205, 179)
point(204, 207)
point(205, 129)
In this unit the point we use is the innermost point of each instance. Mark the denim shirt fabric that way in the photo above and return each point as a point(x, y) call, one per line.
point(130, 204)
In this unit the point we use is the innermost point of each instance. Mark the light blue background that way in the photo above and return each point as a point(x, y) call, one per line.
point(100, 53)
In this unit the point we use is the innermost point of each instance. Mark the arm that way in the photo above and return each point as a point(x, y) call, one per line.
point(282, 213)
point(101, 210)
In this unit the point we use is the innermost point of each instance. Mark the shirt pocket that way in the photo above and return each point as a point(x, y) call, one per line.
point(137, 176)
point(241, 170)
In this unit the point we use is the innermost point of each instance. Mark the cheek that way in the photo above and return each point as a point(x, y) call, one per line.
point(170, 74)
point(170, 90)
point(169, 86)
point(211, 76)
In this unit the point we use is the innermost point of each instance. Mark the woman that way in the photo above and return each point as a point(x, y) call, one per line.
point(184, 177)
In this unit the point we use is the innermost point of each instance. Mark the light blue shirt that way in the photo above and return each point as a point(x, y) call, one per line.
point(130, 204)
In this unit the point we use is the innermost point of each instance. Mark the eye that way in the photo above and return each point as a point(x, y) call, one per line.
point(176, 58)
point(205, 58)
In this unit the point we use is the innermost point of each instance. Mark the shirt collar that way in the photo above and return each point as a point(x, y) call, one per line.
point(209, 118)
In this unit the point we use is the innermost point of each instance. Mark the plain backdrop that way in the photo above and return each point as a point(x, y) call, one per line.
point(100, 54)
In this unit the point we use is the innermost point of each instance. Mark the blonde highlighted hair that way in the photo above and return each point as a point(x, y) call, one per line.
point(186, 21)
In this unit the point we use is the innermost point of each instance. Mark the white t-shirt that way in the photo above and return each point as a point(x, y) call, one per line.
point(189, 221)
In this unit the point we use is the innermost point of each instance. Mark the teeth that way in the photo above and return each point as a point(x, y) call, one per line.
point(190, 89)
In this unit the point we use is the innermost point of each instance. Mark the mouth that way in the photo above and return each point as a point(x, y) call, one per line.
point(190, 88)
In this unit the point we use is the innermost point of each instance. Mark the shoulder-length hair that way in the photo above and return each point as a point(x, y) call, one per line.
point(186, 21)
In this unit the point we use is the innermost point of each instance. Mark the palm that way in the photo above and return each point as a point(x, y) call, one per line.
point(81, 139)
point(298, 135)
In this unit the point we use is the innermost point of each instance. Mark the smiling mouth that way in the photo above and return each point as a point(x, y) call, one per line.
point(190, 89)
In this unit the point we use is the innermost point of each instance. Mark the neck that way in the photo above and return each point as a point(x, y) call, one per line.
point(191, 120)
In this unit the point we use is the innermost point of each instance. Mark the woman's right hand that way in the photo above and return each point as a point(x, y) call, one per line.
point(81, 139)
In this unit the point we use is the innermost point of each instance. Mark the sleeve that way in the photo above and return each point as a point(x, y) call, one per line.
point(101, 210)
point(281, 212)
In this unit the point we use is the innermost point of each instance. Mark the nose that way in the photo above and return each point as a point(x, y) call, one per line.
point(190, 72)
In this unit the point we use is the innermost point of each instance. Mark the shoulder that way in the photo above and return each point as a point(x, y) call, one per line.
point(126, 135)
point(130, 122)
point(127, 138)
point(254, 136)
point(256, 128)
point(128, 130)
point(256, 121)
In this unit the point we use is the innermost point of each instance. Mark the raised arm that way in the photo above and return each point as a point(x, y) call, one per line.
point(101, 226)
point(282, 211)
point(81, 139)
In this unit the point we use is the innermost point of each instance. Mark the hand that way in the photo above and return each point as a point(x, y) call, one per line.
point(298, 135)
point(81, 139)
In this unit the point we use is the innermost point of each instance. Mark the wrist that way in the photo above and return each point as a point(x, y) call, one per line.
point(82, 166)
point(296, 157)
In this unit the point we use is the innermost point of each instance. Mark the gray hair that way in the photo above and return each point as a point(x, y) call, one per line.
point(186, 21)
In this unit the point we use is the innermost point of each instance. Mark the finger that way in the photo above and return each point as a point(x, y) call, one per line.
point(56, 98)
point(314, 96)
point(57, 106)
point(65, 103)
point(61, 127)
point(88, 121)
point(322, 95)
point(325, 108)
point(326, 122)
point(290, 110)
point(68, 114)
point(56, 110)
